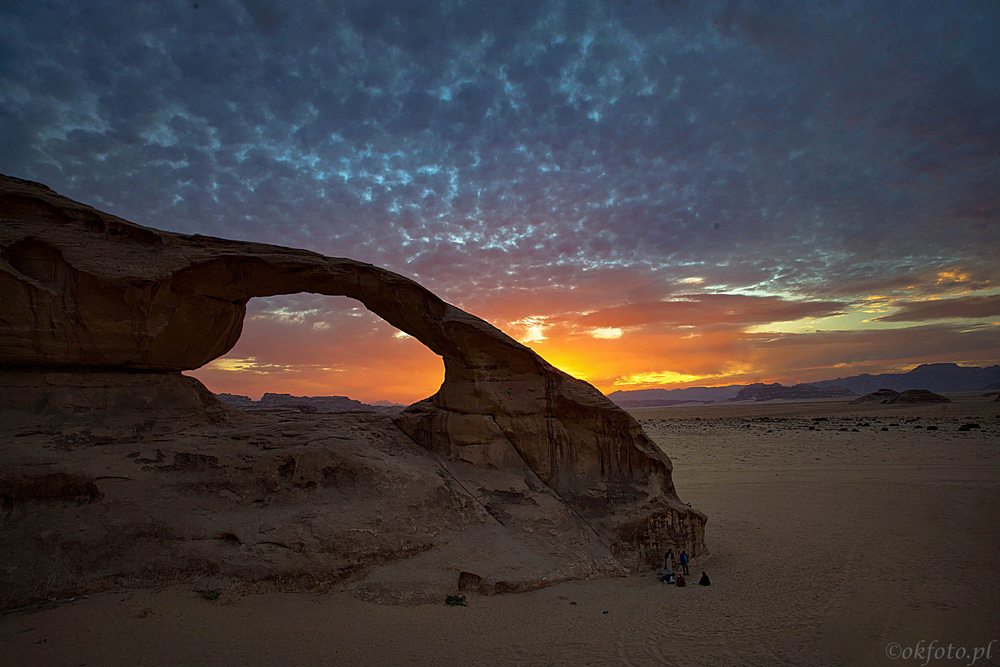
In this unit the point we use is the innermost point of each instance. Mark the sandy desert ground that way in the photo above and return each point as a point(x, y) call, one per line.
point(839, 535)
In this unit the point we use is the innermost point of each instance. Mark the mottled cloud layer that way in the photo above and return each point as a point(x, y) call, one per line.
point(580, 173)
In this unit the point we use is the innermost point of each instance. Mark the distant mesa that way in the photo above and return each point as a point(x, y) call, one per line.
point(512, 476)
point(236, 400)
point(770, 392)
point(321, 404)
point(886, 396)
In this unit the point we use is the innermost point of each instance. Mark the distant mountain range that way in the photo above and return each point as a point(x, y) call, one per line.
point(641, 398)
point(939, 378)
point(769, 392)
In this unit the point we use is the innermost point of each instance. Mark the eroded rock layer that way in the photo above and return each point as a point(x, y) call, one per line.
point(91, 305)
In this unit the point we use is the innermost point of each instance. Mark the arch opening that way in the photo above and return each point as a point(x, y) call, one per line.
point(318, 345)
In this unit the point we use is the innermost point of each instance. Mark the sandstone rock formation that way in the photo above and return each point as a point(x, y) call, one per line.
point(909, 396)
point(99, 317)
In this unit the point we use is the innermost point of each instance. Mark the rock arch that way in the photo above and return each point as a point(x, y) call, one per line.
point(84, 290)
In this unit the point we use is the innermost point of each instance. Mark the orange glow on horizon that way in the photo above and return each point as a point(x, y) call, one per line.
point(704, 343)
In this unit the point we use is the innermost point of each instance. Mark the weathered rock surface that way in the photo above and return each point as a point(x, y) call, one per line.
point(99, 316)
point(909, 396)
point(313, 502)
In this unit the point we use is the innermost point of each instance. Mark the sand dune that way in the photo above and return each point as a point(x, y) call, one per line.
point(826, 545)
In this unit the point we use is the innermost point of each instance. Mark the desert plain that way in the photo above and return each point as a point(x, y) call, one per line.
point(838, 534)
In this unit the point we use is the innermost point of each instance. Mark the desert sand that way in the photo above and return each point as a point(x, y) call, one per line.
point(825, 546)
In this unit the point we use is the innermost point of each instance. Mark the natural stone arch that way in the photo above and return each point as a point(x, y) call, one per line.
point(104, 293)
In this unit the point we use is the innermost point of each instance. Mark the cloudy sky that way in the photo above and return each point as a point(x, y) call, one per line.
point(647, 192)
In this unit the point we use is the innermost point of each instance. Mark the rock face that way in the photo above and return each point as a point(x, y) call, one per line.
point(99, 316)
point(768, 392)
point(886, 396)
point(301, 502)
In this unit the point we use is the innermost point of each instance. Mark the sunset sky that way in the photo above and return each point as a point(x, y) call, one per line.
point(647, 192)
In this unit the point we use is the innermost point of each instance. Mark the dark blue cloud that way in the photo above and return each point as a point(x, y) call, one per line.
point(799, 147)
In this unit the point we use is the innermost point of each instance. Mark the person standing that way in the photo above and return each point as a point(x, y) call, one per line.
point(668, 562)
point(684, 562)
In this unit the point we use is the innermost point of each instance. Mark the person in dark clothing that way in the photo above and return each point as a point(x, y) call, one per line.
point(684, 562)
point(680, 581)
point(704, 581)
